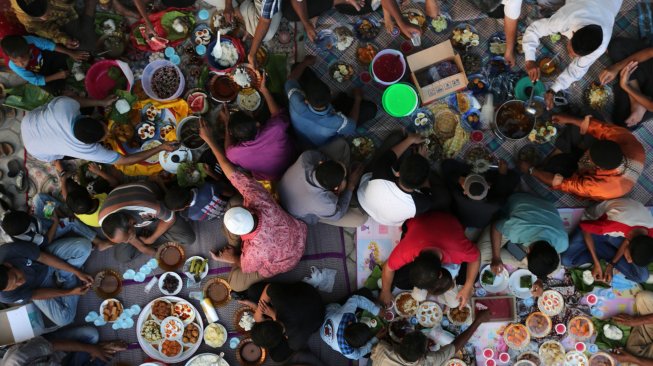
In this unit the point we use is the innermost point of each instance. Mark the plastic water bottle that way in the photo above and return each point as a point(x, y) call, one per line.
point(196, 295)
point(90, 318)
point(151, 284)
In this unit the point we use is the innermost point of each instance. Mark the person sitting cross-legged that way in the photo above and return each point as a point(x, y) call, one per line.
point(343, 331)
point(315, 117)
point(593, 160)
point(71, 346)
point(413, 348)
point(50, 278)
point(133, 217)
point(263, 239)
point(619, 232)
point(206, 202)
point(319, 186)
point(530, 234)
point(401, 184)
point(265, 150)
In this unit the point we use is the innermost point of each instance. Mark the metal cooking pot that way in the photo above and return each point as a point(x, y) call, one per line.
point(511, 122)
point(191, 139)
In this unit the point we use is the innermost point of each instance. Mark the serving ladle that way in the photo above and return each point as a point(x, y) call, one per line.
point(529, 105)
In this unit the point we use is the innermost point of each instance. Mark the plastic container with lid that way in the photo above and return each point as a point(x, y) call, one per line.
point(400, 100)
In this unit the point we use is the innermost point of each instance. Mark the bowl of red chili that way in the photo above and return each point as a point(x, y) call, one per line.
point(388, 67)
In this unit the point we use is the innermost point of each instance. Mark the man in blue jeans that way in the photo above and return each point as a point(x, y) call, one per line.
point(76, 346)
point(50, 278)
point(618, 231)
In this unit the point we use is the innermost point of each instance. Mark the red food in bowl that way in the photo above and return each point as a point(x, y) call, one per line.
point(388, 68)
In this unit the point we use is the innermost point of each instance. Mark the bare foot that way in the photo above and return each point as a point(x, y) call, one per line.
point(637, 114)
point(432, 8)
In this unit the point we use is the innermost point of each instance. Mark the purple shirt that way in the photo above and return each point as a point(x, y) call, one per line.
point(270, 153)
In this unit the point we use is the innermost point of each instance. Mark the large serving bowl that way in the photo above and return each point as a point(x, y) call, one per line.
point(188, 133)
point(147, 81)
point(213, 63)
point(99, 84)
point(390, 62)
point(511, 121)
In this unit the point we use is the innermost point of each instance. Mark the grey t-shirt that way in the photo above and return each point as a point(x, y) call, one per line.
point(23, 256)
point(35, 352)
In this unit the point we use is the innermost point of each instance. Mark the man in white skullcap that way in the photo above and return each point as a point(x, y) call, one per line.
point(264, 240)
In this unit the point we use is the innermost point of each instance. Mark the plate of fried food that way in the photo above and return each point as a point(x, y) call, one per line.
point(366, 29)
point(464, 36)
point(516, 336)
point(598, 96)
point(459, 316)
point(111, 310)
point(552, 353)
point(365, 53)
point(164, 332)
point(405, 304)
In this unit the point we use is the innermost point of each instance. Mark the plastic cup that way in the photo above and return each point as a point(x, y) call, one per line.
point(400, 100)
point(593, 348)
point(580, 347)
point(129, 274)
point(488, 353)
point(481, 292)
point(139, 277)
point(504, 357)
point(388, 315)
point(365, 77)
point(406, 46)
point(595, 311)
point(175, 59)
point(153, 263)
point(91, 316)
point(490, 362)
point(529, 301)
point(169, 52)
point(128, 323)
point(445, 322)
point(476, 136)
point(233, 343)
point(203, 14)
point(561, 329)
point(200, 49)
point(115, 326)
point(145, 269)
point(610, 295)
point(591, 299)
point(136, 309)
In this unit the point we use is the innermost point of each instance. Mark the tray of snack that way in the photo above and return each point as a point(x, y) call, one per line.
point(171, 256)
point(551, 303)
point(429, 314)
point(539, 324)
point(218, 290)
point(580, 327)
point(575, 358)
point(107, 283)
point(110, 309)
point(459, 316)
point(516, 336)
point(405, 304)
point(502, 308)
point(169, 329)
point(552, 353)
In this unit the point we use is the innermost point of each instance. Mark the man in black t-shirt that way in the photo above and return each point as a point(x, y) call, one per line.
point(50, 279)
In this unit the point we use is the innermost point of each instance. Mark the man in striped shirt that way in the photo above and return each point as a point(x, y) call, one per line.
point(132, 209)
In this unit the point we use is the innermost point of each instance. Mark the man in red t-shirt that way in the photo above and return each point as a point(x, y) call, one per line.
point(436, 233)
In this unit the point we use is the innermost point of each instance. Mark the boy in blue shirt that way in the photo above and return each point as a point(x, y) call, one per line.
point(206, 202)
point(40, 61)
point(313, 116)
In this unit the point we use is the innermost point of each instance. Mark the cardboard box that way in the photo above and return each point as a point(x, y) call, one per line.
point(20, 323)
point(422, 61)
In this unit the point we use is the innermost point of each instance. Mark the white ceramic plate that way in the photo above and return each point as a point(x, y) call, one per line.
point(513, 282)
point(575, 358)
point(429, 314)
point(209, 358)
point(151, 350)
point(551, 303)
point(149, 145)
point(500, 281)
point(187, 268)
point(179, 286)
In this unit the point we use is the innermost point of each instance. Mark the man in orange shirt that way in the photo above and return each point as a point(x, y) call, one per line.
point(593, 159)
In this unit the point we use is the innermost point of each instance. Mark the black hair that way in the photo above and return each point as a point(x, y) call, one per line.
point(15, 46)
point(424, 272)
point(317, 93)
point(242, 127)
point(641, 249)
point(606, 154)
point(267, 334)
point(542, 259)
point(33, 8)
point(80, 201)
point(114, 222)
point(358, 334)
point(587, 39)
point(330, 174)
point(413, 346)
point(177, 198)
point(16, 222)
point(476, 189)
point(89, 130)
point(178, 3)
point(4, 277)
point(444, 283)
point(414, 171)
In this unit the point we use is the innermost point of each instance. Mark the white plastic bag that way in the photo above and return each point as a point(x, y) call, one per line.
point(322, 279)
